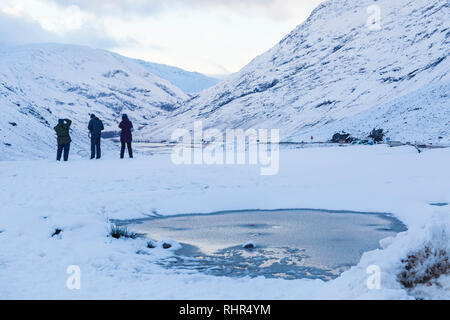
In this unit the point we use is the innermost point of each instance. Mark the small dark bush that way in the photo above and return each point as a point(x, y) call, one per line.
point(249, 245)
point(377, 135)
point(342, 137)
point(166, 245)
point(57, 232)
point(423, 266)
point(119, 232)
point(151, 245)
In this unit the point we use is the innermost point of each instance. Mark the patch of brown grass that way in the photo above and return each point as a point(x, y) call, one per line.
point(424, 266)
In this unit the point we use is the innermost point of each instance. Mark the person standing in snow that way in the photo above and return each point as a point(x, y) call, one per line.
point(95, 132)
point(62, 132)
point(125, 136)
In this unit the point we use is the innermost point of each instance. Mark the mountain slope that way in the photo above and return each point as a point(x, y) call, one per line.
point(189, 82)
point(329, 68)
point(41, 83)
point(421, 116)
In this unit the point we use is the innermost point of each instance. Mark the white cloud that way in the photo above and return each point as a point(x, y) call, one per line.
point(51, 16)
point(22, 29)
point(210, 36)
point(16, 29)
point(274, 9)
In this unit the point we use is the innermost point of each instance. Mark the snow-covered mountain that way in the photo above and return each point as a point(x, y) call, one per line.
point(189, 82)
point(421, 116)
point(334, 67)
point(331, 73)
point(41, 83)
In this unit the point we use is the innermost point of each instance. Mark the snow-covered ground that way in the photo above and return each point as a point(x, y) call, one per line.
point(79, 196)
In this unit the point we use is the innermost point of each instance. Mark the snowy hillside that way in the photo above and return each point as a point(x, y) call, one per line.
point(421, 116)
point(334, 66)
point(41, 83)
point(189, 82)
point(77, 197)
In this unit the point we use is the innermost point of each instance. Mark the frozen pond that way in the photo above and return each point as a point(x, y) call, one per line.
point(290, 244)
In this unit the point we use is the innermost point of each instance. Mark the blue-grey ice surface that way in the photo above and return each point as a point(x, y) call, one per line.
point(290, 244)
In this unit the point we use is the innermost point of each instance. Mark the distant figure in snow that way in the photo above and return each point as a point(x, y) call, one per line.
point(95, 132)
point(64, 140)
point(125, 136)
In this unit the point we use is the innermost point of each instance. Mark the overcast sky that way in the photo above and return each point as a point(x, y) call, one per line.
point(208, 36)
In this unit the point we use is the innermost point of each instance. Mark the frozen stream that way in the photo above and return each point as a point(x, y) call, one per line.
point(290, 244)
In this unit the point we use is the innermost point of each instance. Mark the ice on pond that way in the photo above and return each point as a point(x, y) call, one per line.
point(288, 244)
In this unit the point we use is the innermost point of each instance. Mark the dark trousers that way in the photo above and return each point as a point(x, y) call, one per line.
point(66, 148)
point(95, 146)
point(122, 150)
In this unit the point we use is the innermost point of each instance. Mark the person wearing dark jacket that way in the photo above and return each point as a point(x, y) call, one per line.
point(125, 136)
point(95, 131)
point(62, 132)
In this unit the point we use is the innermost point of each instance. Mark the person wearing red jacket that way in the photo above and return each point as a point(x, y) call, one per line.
point(125, 136)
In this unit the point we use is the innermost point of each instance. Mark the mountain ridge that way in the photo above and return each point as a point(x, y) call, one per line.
point(331, 73)
point(189, 82)
point(41, 83)
point(329, 68)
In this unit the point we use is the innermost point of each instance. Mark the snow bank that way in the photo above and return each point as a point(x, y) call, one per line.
point(78, 197)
